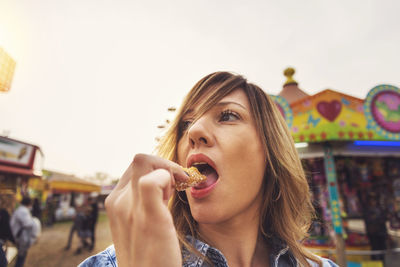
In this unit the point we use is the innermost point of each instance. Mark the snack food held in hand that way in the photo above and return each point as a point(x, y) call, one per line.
point(195, 177)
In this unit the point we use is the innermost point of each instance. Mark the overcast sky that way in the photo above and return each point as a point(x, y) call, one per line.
point(94, 78)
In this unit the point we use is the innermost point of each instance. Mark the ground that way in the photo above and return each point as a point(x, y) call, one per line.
point(49, 250)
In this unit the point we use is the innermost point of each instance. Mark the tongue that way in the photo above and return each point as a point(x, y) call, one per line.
point(211, 178)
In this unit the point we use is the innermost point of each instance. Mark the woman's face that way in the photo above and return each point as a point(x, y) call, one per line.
point(225, 146)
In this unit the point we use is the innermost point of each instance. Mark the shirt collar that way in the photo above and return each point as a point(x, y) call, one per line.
point(278, 248)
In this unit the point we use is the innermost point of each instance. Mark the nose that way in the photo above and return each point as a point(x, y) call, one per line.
point(199, 133)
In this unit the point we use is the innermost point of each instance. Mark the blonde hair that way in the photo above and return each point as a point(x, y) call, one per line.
point(286, 210)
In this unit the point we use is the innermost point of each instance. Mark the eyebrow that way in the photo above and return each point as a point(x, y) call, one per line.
point(219, 104)
point(225, 103)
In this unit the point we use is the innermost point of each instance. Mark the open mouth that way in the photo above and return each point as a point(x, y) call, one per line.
point(208, 171)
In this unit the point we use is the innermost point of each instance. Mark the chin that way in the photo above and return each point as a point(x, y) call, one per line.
point(206, 215)
point(206, 219)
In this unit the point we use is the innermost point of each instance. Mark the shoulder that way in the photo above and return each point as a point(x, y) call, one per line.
point(325, 262)
point(22, 211)
point(105, 258)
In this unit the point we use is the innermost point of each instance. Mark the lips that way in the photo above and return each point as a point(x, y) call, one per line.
point(197, 158)
point(208, 168)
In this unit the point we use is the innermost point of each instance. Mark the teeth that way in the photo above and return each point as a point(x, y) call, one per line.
point(199, 163)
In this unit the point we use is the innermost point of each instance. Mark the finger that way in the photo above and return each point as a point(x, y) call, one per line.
point(125, 178)
point(118, 205)
point(140, 165)
point(143, 164)
point(155, 189)
point(148, 163)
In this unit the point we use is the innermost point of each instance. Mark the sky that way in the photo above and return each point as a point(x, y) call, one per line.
point(95, 78)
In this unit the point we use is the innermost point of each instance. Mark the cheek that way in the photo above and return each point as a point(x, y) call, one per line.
point(247, 148)
point(181, 153)
point(247, 161)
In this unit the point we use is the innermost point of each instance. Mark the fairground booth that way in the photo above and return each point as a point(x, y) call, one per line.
point(350, 149)
point(20, 162)
point(65, 193)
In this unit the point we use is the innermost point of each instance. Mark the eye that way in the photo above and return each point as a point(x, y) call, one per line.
point(184, 125)
point(229, 115)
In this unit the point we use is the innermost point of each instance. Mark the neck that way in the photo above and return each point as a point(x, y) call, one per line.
point(239, 240)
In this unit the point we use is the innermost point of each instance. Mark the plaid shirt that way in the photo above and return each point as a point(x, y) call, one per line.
point(280, 257)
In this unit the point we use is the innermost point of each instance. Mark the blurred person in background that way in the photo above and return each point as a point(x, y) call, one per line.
point(25, 229)
point(37, 209)
point(84, 227)
point(50, 210)
point(77, 225)
point(94, 215)
point(74, 227)
point(375, 222)
point(5, 235)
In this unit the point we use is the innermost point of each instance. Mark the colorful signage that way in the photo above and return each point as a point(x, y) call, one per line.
point(284, 108)
point(382, 110)
point(331, 115)
point(15, 153)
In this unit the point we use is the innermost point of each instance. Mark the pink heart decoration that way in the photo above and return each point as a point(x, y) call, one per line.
point(329, 110)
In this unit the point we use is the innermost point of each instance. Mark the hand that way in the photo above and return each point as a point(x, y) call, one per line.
point(141, 224)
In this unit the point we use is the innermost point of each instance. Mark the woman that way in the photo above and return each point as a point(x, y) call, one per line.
point(253, 209)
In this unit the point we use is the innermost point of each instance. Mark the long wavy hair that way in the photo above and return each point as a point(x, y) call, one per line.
point(286, 209)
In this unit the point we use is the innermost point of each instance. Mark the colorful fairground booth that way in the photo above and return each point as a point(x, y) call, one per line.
point(20, 163)
point(66, 192)
point(350, 149)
